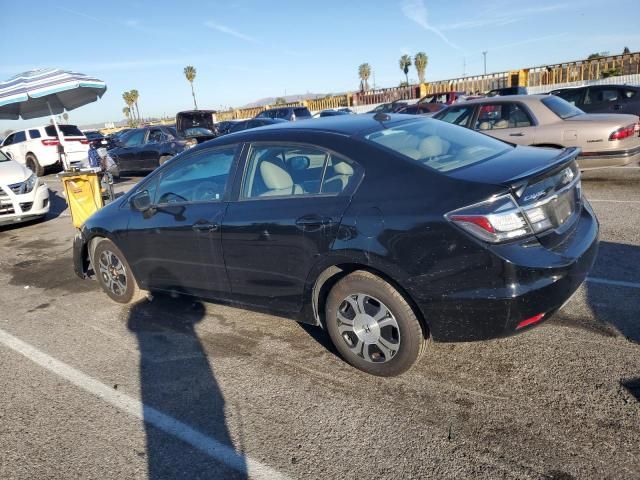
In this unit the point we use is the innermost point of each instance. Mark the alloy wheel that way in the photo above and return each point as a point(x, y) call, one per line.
point(113, 273)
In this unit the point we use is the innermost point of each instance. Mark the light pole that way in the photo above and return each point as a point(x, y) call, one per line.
point(484, 54)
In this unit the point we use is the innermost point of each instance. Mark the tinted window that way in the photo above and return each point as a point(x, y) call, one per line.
point(302, 112)
point(288, 170)
point(502, 115)
point(35, 133)
point(201, 178)
point(282, 113)
point(438, 145)
point(19, 137)
point(456, 115)
point(238, 127)
point(155, 136)
point(560, 107)
point(134, 138)
point(574, 97)
point(67, 131)
point(9, 139)
point(629, 93)
point(602, 95)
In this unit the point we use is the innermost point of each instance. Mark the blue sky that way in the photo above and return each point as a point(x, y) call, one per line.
point(244, 50)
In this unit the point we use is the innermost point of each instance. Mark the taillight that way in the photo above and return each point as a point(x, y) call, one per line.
point(624, 132)
point(84, 141)
point(494, 221)
point(50, 142)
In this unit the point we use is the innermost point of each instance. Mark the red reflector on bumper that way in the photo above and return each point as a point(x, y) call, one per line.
point(530, 321)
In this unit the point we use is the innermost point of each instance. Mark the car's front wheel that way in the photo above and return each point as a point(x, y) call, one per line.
point(114, 274)
point(372, 325)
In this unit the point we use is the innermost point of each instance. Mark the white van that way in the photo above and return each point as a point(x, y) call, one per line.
point(37, 148)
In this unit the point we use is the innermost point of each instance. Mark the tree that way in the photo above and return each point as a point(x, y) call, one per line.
point(405, 63)
point(190, 74)
point(593, 56)
point(134, 98)
point(421, 61)
point(280, 100)
point(364, 72)
point(127, 113)
point(626, 50)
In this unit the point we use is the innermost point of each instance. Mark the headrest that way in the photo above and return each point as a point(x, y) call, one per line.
point(275, 177)
point(484, 126)
point(432, 147)
point(343, 168)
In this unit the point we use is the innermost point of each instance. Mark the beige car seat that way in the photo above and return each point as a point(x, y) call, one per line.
point(337, 183)
point(278, 181)
point(433, 146)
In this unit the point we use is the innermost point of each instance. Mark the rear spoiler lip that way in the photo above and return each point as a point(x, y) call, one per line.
point(565, 156)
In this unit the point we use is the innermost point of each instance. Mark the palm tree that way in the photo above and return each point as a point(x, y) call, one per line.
point(405, 63)
point(134, 98)
point(364, 72)
point(190, 74)
point(127, 113)
point(421, 61)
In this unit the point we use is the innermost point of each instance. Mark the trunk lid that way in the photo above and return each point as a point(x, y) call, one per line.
point(197, 124)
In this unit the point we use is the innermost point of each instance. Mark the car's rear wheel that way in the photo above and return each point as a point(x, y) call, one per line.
point(114, 274)
point(32, 164)
point(372, 325)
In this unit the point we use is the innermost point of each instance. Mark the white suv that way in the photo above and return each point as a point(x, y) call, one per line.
point(37, 147)
point(22, 195)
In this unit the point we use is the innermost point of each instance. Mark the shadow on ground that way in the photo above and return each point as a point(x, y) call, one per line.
point(177, 380)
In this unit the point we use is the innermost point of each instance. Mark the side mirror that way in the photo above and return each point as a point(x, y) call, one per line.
point(141, 201)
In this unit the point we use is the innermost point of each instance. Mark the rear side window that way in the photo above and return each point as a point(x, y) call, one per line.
point(560, 107)
point(438, 145)
point(629, 93)
point(35, 133)
point(456, 115)
point(574, 97)
point(282, 113)
point(294, 170)
point(9, 139)
point(19, 137)
point(302, 112)
point(502, 115)
point(67, 131)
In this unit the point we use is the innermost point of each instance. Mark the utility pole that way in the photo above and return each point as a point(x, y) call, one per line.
point(484, 54)
point(464, 67)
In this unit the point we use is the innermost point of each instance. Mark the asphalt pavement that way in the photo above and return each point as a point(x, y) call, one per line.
point(178, 388)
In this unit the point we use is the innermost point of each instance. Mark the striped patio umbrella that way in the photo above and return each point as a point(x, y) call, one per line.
point(48, 91)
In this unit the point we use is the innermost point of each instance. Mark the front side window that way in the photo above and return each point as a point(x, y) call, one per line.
point(302, 112)
point(9, 140)
point(201, 178)
point(456, 115)
point(134, 139)
point(502, 115)
point(292, 170)
point(35, 133)
point(156, 136)
point(438, 145)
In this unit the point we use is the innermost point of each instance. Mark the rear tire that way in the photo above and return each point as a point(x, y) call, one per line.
point(114, 273)
point(32, 164)
point(372, 325)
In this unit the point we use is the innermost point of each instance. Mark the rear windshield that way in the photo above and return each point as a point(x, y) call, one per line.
point(561, 107)
point(439, 145)
point(67, 131)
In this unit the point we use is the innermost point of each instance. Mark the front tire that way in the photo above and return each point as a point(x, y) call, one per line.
point(114, 273)
point(32, 164)
point(372, 325)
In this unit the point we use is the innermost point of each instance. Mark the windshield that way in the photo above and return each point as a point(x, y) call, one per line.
point(439, 145)
point(561, 107)
point(194, 132)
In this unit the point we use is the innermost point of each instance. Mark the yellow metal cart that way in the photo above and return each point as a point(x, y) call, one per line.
point(84, 195)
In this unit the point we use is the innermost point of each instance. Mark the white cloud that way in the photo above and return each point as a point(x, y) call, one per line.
point(228, 30)
point(416, 11)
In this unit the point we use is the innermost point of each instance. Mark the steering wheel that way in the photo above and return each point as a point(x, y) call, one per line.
point(206, 191)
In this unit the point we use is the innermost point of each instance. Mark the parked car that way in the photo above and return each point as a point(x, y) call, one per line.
point(603, 98)
point(286, 113)
point(390, 107)
point(143, 149)
point(385, 230)
point(254, 123)
point(447, 98)
point(38, 147)
point(501, 92)
point(549, 121)
point(332, 112)
point(422, 108)
point(96, 138)
point(223, 127)
point(196, 125)
point(23, 196)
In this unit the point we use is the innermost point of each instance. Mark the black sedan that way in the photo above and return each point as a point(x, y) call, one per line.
point(385, 230)
point(96, 139)
point(253, 123)
point(144, 149)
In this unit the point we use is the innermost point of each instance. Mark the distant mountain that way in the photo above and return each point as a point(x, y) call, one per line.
point(288, 98)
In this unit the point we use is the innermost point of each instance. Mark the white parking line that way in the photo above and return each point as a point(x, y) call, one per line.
point(617, 283)
point(216, 450)
point(612, 201)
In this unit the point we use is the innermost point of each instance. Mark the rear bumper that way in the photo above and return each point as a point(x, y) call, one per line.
point(619, 158)
point(534, 280)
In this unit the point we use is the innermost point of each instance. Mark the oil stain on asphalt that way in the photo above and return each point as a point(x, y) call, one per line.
point(49, 274)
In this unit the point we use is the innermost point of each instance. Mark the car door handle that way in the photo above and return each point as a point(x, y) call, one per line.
point(519, 134)
point(314, 221)
point(204, 227)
